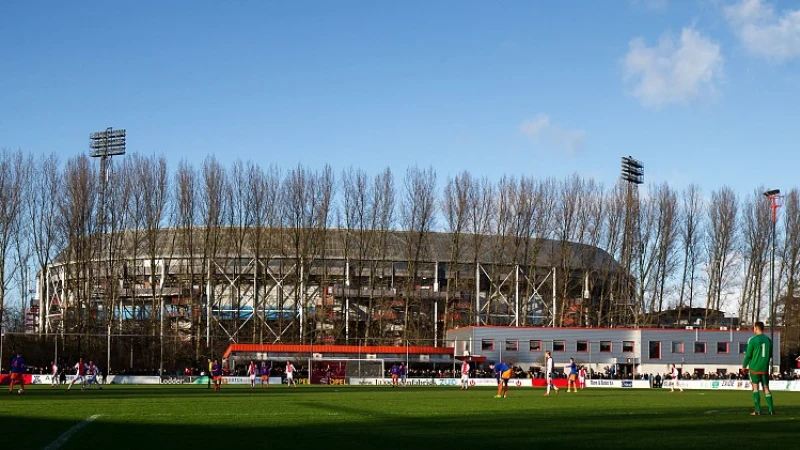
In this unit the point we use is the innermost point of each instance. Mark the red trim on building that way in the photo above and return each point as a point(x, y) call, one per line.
point(349, 349)
point(702, 330)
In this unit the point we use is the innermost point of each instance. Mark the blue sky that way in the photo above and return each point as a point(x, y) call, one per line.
point(703, 92)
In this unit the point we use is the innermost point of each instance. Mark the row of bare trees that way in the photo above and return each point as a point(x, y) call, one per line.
point(683, 249)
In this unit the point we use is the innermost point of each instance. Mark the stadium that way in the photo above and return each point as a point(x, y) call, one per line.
point(342, 287)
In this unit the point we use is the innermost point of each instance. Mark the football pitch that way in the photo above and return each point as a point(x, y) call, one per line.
point(360, 417)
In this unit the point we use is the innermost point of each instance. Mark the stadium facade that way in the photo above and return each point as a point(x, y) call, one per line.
point(329, 286)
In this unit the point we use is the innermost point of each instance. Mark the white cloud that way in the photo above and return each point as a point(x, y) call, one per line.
point(540, 128)
point(673, 72)
point(763, 32)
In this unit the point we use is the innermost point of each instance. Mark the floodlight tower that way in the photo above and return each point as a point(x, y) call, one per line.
point(633, 175)
point(775, 202)
point(104, 145)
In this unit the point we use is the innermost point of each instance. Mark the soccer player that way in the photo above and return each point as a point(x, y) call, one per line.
point(464, 375)
point(54, 374)
point(756, 360)
point(573, 375)
point(290, 374)
point(91, 376)
point(503, 372)
point(395, 371)
point(403, 373)
point(80, 374)
point(265, 369)
point(17, 373)
point(210, 377)
point(582, 377)
point(216, 374)
point(549, 371)
point(675, 377)
point(329, 374)
point(251, 371)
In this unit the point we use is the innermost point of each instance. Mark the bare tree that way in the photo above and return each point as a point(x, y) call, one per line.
point(417, 214)
point(42, 190)
point(184, 220)
point(382, 221)
point(264, 188)
point(756, 231)
point(666, 224)
point(212, 207)
point(78, 225)
point(11, 189)
point(613, 305)
point(721, 246)
point(593, 220)
point(455, 206)
point(481, 207)
point(690, 240)
point(154, 181)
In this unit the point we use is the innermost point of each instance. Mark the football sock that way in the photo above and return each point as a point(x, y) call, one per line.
point(769, 402)
point(757, 401)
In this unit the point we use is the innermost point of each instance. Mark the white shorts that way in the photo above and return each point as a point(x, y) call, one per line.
point(289, 376)
point(252, 377)
point(582, 380)
point(464, 378)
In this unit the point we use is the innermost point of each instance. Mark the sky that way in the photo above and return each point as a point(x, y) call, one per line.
point(703, 92)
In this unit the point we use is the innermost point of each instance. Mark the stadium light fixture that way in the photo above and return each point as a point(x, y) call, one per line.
point(632, 170)
point(107, 143)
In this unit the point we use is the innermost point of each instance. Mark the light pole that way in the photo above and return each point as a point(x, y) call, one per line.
point(104, 145)
point(633, 175)
point(775, 201)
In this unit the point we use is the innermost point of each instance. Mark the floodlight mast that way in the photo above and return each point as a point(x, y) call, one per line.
point(775, 202)
point(104, 145)
point(633, 175)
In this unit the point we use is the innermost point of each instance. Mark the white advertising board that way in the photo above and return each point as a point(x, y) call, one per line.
point(741, 385)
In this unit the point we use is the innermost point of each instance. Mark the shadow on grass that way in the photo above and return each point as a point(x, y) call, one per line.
point(331, 424)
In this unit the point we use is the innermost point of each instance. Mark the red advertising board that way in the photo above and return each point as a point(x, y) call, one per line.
point(5, 379)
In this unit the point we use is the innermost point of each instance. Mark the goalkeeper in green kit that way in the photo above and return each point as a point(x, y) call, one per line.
point(756, 359)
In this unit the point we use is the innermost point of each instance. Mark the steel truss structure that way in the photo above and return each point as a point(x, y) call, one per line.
point(329, 297)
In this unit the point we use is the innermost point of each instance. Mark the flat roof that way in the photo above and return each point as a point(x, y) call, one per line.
point(716, 330)
point(337, 349)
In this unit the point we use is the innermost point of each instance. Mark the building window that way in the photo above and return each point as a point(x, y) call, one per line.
point(677, 347)
point(655, 349)
point(699, 347)
point(559, 346)
point(722, 347)
point(605, 346)
point(487, 344)
point(512, 345)
point(742, 348)
point(627, 346)
point(583, 346)
point(536, 346)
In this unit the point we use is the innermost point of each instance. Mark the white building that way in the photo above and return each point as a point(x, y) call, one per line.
point(628, 350)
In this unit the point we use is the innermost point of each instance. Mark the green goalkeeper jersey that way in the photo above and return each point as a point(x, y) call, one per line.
point(759, 350)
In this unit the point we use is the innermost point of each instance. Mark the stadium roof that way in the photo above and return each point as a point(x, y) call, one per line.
point(342, 244)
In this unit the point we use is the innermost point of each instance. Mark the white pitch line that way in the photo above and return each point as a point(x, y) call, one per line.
point(68, 434)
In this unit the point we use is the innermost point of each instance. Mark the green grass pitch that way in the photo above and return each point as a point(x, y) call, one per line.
point(358, 417)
